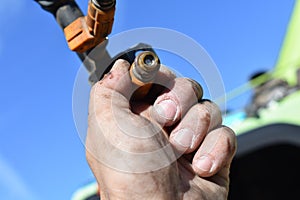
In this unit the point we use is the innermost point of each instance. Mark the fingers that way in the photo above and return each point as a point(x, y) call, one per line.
point(180, 94)
point(216, 152)
point(118, 82)
point(164, 76)
point(109, 101)
point(194, 126)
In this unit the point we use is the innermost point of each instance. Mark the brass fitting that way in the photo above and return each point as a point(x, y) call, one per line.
point(144, 68)
point(143, 71)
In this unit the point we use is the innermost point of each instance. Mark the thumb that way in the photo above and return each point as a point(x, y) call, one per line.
point(118, 79)
point(114, 89)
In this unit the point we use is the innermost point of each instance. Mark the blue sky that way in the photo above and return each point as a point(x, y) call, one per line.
point(41, 155)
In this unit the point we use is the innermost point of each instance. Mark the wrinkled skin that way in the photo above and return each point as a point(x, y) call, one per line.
point(196, 162)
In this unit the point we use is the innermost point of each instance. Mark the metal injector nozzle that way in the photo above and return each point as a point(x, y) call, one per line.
point(143, 71)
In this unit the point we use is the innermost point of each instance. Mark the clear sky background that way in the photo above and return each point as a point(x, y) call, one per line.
point(41, 156)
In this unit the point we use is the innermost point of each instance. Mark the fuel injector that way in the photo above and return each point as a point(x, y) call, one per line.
point(143, 71)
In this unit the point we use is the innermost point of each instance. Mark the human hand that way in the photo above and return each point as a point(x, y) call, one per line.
point(167, 146)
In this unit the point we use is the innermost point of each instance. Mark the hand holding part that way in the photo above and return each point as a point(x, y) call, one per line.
point(127, 145)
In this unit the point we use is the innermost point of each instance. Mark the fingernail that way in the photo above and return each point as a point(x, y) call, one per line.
point(204, 163)
point(197, 88)
point(166, 109)
point(184, 137)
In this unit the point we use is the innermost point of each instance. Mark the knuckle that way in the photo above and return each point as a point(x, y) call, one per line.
point(167, 72)
point(231, 139)
point(215, 109)
point(203, 113)
point(229, 131)
point(215, 112)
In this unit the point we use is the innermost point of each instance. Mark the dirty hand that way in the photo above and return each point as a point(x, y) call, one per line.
point(165, 146)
